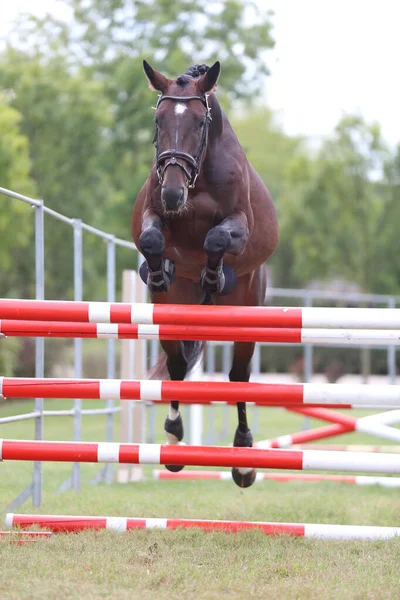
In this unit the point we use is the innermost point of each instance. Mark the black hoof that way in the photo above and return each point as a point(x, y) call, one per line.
point(174, 468)
point(174, 430)
point(244, 480)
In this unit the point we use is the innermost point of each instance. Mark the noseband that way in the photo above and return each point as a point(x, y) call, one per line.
point(175, 156)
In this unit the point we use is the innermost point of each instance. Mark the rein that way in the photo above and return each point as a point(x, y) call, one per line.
point(173, 156)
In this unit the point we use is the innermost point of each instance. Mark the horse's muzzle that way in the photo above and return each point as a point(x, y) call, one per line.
point(173, 198)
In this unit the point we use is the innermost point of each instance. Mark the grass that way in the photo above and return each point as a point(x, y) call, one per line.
point(192, 564)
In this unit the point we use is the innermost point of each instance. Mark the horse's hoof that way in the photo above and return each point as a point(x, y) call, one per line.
point(161, 280)
point(174, 468)
point(220, 281)
point(241, 476)
point(174, 430)
point(243, 480)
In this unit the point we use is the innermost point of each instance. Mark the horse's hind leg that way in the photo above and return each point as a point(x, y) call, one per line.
point(249, 291)
point(177, 369)
point(243, 351)
point(179, 358)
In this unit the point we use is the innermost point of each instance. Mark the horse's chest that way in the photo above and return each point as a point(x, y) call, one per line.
point(188, 234)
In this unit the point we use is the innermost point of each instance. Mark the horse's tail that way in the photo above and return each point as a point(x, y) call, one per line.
point(192, 351)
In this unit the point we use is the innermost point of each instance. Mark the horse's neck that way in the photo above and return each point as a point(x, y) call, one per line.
point(217, 125)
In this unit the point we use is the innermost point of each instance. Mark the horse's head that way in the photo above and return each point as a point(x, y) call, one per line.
point(182, 119)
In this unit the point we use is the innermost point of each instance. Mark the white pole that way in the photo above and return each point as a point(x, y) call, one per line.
point(196, 410)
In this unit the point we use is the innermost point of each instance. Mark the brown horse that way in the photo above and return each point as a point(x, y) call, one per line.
point(205, 223)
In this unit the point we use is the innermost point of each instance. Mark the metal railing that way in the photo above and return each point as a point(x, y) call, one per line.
point(34, 489)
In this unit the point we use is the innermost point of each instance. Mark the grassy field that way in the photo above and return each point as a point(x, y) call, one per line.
point(193, 564)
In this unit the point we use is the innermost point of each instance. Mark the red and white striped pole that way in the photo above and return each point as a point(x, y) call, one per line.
point(199, 456)
point(180, 314)
point(191, 475)
point(276, 335)
point(206, 392)
point(70, 523)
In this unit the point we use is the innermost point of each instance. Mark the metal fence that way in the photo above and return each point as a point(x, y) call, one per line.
point(34, 489)
point(306, 297)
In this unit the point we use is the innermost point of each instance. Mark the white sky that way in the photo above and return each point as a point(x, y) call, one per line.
point(331, 57)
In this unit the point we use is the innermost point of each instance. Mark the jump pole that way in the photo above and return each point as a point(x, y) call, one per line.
point(199, 456)
point(181, 314)
point(274, 335)
point(348, 447)
point(373, 424)
point(278, 477)
point(208, 392)
point(66, 523)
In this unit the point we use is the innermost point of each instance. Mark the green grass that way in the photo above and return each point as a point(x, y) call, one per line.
point(192, 564)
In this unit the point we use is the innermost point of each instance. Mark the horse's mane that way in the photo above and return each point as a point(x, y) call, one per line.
point(193, 72)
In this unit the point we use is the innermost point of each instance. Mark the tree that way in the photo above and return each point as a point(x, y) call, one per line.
point(178, 34)
point(16, 220)
point(65, 116)
point(283, 162)
point(335, 227)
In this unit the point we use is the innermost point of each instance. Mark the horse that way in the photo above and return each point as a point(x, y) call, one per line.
point(205, 223)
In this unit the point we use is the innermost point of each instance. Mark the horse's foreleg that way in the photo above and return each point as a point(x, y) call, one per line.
point(231, 235)
point(157, 272)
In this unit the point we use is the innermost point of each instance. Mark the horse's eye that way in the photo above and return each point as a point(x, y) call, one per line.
point(201, 124)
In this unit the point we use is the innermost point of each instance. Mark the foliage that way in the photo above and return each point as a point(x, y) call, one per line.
point(15, 217)
point(178, 34)
point(336, 225)
point(65, 117)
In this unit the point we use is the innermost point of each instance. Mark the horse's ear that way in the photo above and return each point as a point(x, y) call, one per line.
point(157, 81)
point(208, 82)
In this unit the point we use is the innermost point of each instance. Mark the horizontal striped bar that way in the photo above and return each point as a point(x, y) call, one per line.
point(25, 534)
point(183, 314)
point(60, 329)
point(279, 477)
point(67, 523)
point(198, 456)
point(206, 392)
point(348, 447)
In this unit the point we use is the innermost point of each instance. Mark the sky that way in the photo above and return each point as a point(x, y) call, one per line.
point(331, 57)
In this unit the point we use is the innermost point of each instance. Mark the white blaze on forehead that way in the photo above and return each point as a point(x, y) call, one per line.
point(180, 108)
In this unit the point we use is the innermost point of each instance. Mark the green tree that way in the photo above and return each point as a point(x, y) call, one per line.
point(178, 34)
point(66, 118)
point(16, 222)
point(335, 227)
point(284, 164)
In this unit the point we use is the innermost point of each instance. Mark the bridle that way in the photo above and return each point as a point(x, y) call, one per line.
point(172, 156)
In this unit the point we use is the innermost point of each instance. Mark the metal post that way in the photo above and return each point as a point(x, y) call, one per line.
point(154, 353)
point(226, 367)
point(78, 296)
point(308, 364)
point(110, 347)
point(391, 351)
point(37, 482)
point(211, 436)
point(256, 370)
